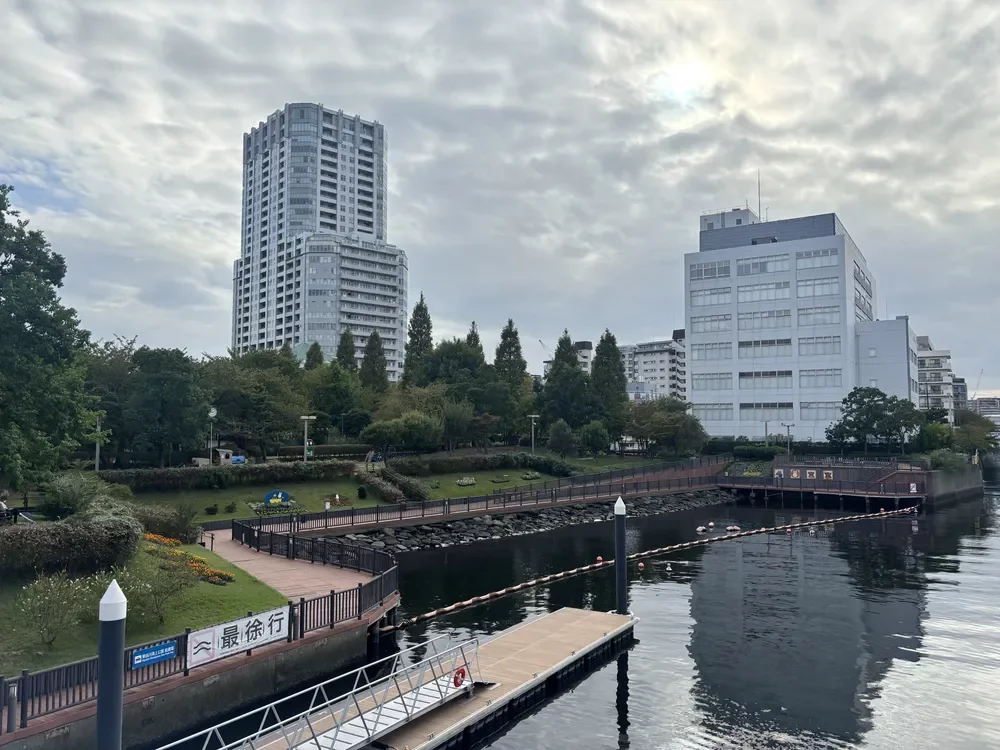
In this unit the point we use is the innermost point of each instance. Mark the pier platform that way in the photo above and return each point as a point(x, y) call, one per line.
point(519, 668)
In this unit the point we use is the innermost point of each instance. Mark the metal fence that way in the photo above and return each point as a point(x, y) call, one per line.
point(34, 694)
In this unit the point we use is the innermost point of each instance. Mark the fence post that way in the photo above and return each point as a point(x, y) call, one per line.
point(25, 696)
point(291, 621)
point(360, 612)
point(187, 637)
point(11, 693)
point(302, 617)
point(333, 618)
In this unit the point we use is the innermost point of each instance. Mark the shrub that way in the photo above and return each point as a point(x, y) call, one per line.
point(434, 484)
point(149, 586)
point(362, 492)
point(231, 507)
point(531, 476)
point(212, 510)
point(419, 466)
point(502, 479)
point(412, 489)
point(947, 461)
point(465, 481)
point(267, 509)
point(69, 493)
point(174, 522)
point(51, 604)
point(763, 452)
point(340, 450)
point(220, 477)
point(386, 490)
point(594, 438)
point(561, 438)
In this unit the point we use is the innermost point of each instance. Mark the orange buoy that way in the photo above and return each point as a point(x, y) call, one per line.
point(881, 510)
point(642, 567)
point(600, 559)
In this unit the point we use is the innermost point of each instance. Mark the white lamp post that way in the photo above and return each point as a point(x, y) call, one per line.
point(212, 414)
point(533, 418)
point(305, 435)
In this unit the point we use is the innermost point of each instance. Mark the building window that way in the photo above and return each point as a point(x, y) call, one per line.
point(713, 412)
point(811, 345)
point(763, 264)
point(818, 287)
point(711, 323)
point(828, 378)
point(764, 348)
point(872, 352)
point(720, 350)
point(819, 316)
point(765, 319)
point(712, 381)
point(820, 410)
point(816, 258)
point(873, 383)
point(767, 412)
point(718, 296)
point(770, 379)
point(763, 292)
point(718, 269)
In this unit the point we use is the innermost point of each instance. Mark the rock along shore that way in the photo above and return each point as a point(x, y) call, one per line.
point(451, 533)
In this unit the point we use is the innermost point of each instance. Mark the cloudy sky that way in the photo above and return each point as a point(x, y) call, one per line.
point(548, 159)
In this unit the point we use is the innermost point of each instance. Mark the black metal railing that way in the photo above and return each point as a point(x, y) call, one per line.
point(37, 694)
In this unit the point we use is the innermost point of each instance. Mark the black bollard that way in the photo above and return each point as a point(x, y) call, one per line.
point(621, 564)
point(111, 668)
point(621, 702)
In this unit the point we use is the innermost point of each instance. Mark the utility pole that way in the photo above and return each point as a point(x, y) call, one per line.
point(788, 428)
point(533, 418)
point(766, 440)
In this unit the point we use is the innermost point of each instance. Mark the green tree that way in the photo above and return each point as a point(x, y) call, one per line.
point(373, 373)
point(420, 432)
point(509, 360)
point(167, 408)
point(314, 356)
point(561, 438)
point(566, 395)
point(936, 414)
point(900, 418)
point(111, 378)
point(453, 362)
point(863, 410)
point(474, 342)
point(974, 432)
point(383, 436)
point(593, 437)
point(334, 394)
point(419, 344)
point(346, 353)
point(45, 412)
point(456, 420)
point(355, 421)
point(608, 385)
point(935, 435)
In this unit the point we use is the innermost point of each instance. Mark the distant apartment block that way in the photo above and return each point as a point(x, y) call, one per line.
point(584, 355)
point(936, 378)
point(960, 391)
point(780, 326)
point(656, 369)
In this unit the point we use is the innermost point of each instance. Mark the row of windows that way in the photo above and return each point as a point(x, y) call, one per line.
point(712, 381)
point(711, 323)
point(816, 258)
point(763, 292)
point(764, 348)
point(770, 412)
point(715, 350)
point(765, 319)
point(819, 345)
point(763, 264)
point(818, 287)
point(766, 379)
point(826, 378)
point(718, 269)
point(706, 297)
point(808, 345)
point(819, 316)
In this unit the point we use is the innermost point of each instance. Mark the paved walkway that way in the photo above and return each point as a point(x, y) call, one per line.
point(293, 578)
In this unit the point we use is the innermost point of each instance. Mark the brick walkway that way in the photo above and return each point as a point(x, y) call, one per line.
point(293, 578)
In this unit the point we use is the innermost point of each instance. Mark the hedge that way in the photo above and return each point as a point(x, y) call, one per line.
point(105, 536)
point(220, 477)
point(166, 521)
point(346, 450)
point(762, 452)
point(412, 488)
point(418, 466)
point(388, 492)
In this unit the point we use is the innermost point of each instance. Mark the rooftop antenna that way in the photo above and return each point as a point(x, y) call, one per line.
point(758, 194)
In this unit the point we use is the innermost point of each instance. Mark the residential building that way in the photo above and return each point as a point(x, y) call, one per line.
point(887, 357)
point(660, 366)
point(313, 176)
point(936, 378)
point(584, 355)
point(960, 392)
point(986, 406)
point(772, 312)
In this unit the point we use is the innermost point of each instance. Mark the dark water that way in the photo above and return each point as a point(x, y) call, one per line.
point(876, 634)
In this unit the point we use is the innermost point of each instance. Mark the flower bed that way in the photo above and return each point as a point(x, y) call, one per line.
point(162, 540)
point(177, 558)
point(465, 481)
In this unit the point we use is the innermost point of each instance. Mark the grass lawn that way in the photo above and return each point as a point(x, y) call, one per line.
point(591, 465)
point(483, 485)
point(197, 606)
point(308, 496)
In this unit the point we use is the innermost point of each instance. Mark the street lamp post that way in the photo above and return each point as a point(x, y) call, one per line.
point(788, 428)
point(533, 418)
point(305, 436)
point(212, 413)
point(97, 447)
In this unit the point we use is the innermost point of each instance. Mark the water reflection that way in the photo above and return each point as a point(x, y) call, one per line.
point(799, 640)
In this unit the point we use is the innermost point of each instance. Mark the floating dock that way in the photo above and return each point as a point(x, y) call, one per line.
point(519, 669)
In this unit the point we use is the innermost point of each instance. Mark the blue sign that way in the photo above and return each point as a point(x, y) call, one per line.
point(276, 497)
point(239, 459)
point(143, 657)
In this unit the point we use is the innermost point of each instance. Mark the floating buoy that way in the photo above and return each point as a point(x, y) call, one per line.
point(669, 567)
point(459, 677)
point(881, 510)
point(711, 524)
point(812, 532)
point(642, 567)
point(600, 559)
point(788, 531)
point(701, 529)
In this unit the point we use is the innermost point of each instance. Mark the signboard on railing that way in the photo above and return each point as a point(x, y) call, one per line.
point(143, 657)
point(220, 641)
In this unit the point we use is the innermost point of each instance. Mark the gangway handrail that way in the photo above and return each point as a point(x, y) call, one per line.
point(463, 655)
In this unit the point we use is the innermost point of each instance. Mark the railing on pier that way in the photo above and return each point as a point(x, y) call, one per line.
point(383, 696)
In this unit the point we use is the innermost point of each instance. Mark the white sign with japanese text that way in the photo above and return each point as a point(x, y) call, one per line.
point(220, 641)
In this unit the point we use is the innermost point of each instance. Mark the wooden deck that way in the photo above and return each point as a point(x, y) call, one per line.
point(516, 661)
point(293, 578)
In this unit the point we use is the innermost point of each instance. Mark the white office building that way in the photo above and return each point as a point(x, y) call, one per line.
point(313, 176)
point(936, 378)
point(774, 315)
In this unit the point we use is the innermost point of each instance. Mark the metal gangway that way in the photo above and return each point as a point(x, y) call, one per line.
point(382, 697)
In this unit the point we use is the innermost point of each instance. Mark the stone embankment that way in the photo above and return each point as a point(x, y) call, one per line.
point(471, 530)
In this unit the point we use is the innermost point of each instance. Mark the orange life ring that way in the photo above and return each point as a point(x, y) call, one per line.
point(459, 677)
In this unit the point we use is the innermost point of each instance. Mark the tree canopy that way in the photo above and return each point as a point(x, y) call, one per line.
point(373, 373)
point(419, 344)
point(346, 351)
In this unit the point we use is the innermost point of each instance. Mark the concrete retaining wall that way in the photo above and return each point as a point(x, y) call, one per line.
point(943, 488)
